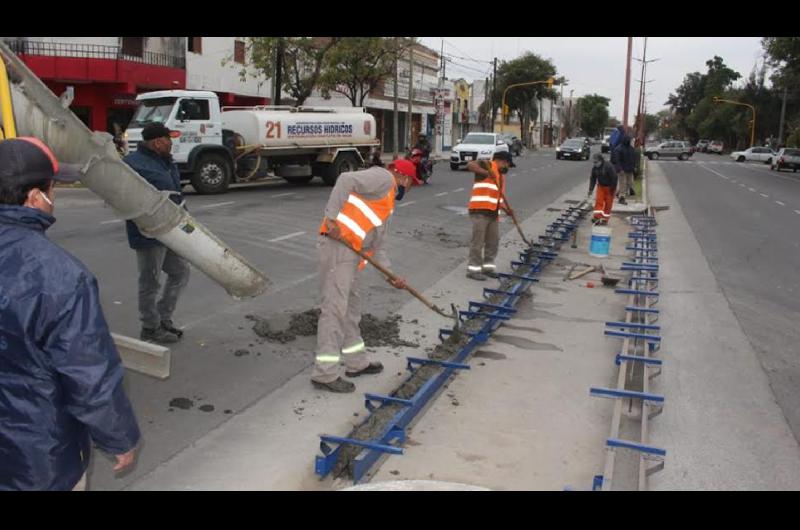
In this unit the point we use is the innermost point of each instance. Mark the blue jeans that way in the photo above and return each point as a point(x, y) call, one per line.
point(152, 261)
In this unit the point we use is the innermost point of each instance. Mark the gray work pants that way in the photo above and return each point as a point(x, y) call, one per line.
point(485, 241)
point(152, 261)
point(625, 183)
point(338, 333)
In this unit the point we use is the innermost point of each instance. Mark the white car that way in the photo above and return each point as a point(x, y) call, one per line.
point(476, 146)
point(757, 154)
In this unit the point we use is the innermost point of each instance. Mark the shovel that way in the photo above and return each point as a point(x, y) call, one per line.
point(416, 294)
point(487, 167)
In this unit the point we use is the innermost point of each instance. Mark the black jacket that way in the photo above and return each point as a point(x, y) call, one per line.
point(623, 157)
point(60, 372)
point(163, 174)
point(603, 176)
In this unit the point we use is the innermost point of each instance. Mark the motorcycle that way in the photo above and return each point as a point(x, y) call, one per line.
point(423, 164)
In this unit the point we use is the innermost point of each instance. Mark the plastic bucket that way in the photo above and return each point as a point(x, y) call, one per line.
point(600, 243)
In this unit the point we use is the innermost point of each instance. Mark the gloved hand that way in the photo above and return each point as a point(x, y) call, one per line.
point(334, 232)
point(398, 283)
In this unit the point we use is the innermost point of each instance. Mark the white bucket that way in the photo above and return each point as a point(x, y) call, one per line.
point(600, 243)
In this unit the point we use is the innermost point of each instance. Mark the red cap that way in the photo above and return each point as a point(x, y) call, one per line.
point(407, 168)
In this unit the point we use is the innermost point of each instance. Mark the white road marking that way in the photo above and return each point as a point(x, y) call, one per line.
point(111, 221)
point(742, 185)
point(764, 195)
point(457, 190)
point(751, 189)
point(441, 194)
point(797, 212)
point(287, 236)
point(281, 195)
point(780, 203)
point(409, 203)
point(215, 205)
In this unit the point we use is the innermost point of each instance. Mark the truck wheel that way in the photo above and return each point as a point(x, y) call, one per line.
point(298, 180)
point(212, 174)
point(653, 156)
point(344, 162)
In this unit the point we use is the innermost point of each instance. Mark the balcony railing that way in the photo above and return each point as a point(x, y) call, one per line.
point(93, 51)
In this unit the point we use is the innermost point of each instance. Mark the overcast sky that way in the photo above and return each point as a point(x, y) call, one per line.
point(597, 64)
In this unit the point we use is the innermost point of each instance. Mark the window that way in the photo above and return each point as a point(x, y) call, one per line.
point(152, 110)
point(193, 109)
point(238, 51)
point(133, 46)
point(194, 44)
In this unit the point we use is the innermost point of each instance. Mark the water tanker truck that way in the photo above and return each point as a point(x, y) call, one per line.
point(215, 147)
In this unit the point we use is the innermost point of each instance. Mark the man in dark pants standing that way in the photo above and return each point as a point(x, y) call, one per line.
point(153, 161)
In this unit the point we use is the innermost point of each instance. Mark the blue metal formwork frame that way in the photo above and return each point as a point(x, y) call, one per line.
point(533, 259)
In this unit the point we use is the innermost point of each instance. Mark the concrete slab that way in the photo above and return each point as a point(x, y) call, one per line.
point(721, 426)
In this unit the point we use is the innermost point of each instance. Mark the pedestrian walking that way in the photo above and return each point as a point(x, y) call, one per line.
point(485, 204)
point(623, 158)
point(153, 161)
point(605, 177)
point(356, 216)
point(60, 373)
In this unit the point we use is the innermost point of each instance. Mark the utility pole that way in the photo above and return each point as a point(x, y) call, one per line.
point(395, 125)
point(569, 114)
point(541, 123)
point(551, 121)
point(441, 86)
point(641, 122)
point(410, 92)
point(783, 116)
point(494, 91)
point(278, 72)
point(627, 83)
point(563, 126)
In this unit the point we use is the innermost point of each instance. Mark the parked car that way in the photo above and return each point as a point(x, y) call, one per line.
point(757, 154)
point(514, 143)
point(476, 146)
point(674, 148)
point(715, 147)
point(702, 146)
point(574, 149)
point(605, 146)
point(586, 140)
point(786, 158)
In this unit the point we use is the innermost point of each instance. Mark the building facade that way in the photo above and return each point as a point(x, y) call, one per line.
point(107, 73)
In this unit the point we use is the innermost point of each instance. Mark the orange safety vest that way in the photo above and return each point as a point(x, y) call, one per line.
point(359, 216)
point(485, 193)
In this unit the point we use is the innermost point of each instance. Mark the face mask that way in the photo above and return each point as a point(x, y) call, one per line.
point(504, 170)
point(401, 191)
point(46, 198)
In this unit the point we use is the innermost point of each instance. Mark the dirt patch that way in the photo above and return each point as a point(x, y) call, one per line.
point(207, 408)
point(181, 403)
point(375, 331)
point(241, 353)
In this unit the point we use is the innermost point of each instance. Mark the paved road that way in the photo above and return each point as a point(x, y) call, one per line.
point(746, 219)
point(273, 225)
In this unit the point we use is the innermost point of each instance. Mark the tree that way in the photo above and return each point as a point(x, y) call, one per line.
point(523, 100)
point(356, 65)
point(303, 59)
point(593, 114)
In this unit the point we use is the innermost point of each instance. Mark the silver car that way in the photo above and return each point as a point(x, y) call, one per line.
point(672, 148)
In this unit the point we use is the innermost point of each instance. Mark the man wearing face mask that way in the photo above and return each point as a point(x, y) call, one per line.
point(605, 177)
point(356, 216)
point(153, 161)
point(484, 207)
point(60, 372)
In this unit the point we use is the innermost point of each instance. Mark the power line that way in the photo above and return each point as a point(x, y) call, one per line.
point(467, 58)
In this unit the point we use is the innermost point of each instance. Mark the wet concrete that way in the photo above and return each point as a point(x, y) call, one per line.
point(525, 344)
point(181, 403)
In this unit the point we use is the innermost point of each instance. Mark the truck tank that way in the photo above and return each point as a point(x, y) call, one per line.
point(301, 126)
point(41, 114)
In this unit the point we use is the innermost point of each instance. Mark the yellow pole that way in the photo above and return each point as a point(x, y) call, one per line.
point(752, 125)
point(503, 105)
point(9, 129)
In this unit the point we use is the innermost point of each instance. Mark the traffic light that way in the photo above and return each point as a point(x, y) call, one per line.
point(550, 82)
point(505, 112)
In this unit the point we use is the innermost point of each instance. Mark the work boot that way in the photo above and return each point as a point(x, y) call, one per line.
point(158, 335)
point(490, 274)
point(372, 368)
point(622, 200)
point(476, 276)
point(168, 326)
point(340, 386)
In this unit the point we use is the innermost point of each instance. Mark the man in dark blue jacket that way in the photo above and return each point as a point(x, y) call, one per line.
point(153, 161)
point(60, 373)
point(623, 157)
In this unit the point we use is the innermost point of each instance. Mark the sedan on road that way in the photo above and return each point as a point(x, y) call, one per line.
point(574, 149)
point(757, 154)
point(476, 146)
point(715, 147)
point(786, 159)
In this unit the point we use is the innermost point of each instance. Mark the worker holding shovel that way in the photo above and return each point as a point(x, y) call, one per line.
point(356, 218)
point(485, 203)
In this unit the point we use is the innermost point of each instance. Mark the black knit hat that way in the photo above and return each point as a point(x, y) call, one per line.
point(152, 131)
point(502, 155)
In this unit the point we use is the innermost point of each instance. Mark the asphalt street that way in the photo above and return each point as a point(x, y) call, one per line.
point(274, 226)
point(746, 219)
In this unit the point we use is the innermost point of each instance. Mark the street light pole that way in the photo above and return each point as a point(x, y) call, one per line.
point(753, 123)
point(627, 83)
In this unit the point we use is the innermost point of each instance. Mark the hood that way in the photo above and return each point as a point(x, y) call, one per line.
point(26, 217)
